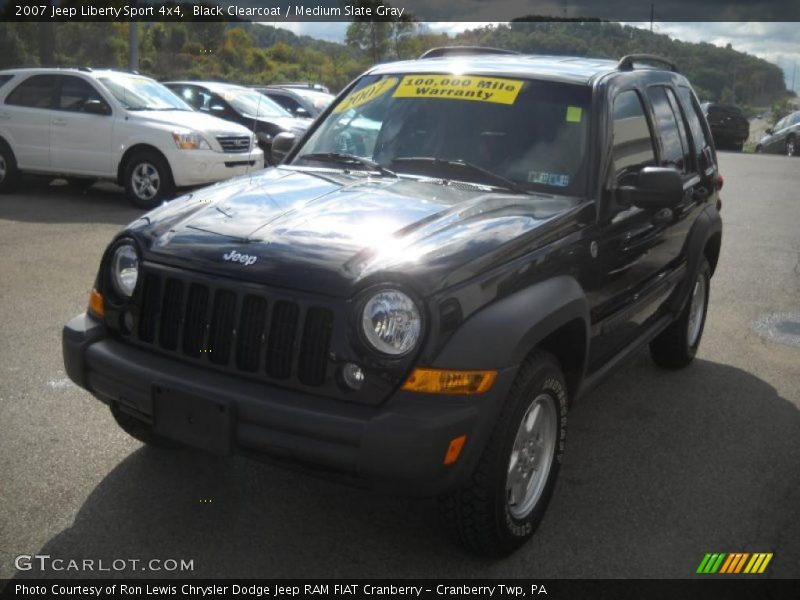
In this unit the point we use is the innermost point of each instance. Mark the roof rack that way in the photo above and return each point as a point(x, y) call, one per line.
point(626, 63)
point(463, 51)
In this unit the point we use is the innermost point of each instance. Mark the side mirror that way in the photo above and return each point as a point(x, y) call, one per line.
point(301, 113)
point(282, 144)
point(769, 131)
point(96, 107)
point(656, 187)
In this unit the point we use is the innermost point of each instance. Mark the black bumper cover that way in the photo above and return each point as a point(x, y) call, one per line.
point(399, 445)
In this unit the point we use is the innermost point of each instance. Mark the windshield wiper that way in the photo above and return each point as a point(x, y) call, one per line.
point(348, 159)
point(497, 180)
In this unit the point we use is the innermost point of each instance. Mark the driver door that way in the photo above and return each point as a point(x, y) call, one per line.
point(80, 142)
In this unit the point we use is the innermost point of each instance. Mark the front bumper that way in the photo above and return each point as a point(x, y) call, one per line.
point(399, 445)
point(198, 167)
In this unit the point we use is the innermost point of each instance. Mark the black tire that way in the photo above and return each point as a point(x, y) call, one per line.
point(790, 148)
point(9, 174)
point(81, 183)
point(141, 431)
point(154, 168)
point(479, 514)
point(675, 347)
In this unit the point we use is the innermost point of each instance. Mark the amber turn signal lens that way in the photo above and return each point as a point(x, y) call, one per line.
point(454, 449)
point(96, 303)
point(445, 381)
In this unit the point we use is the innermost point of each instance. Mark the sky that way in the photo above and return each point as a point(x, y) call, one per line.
point(776, 42)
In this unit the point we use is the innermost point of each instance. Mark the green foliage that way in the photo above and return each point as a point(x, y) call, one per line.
point(254, 53)
point(780, 109)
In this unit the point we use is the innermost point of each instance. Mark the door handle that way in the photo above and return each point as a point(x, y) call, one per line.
point(59, 122)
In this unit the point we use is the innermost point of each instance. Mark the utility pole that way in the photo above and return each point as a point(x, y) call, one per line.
point(133, 42)
point(133, 45)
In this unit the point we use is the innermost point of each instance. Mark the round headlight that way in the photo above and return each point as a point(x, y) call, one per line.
point(124, 270)
point(391, 322)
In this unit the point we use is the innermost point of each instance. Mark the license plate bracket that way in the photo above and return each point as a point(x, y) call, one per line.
point(193, 420)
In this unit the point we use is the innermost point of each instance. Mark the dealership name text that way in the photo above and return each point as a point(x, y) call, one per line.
point(60, 589)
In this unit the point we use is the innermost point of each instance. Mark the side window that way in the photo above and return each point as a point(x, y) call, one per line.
point(679, 118)
point(633, 145)
point(75, 92)
point(287, 102)
point(693, 114)
point(672, 143)
point(780, 124)
point(190, 95)
point(34, 92)
point(795, 118)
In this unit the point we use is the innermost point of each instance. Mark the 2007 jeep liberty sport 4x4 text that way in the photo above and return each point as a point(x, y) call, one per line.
point(457, 249)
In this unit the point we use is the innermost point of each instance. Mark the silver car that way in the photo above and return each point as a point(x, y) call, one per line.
point(783, 137)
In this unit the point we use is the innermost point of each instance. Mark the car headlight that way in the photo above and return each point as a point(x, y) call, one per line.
point(391, 322)
point(190, 141)
point(124, 270)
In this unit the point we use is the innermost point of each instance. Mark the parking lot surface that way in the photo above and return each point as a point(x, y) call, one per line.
point(661, 467)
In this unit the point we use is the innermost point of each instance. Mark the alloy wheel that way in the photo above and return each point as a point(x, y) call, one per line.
point(697, 310)
point(531, 456)
point(146, 181)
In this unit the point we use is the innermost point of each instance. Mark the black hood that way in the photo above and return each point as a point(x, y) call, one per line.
point(331, 233)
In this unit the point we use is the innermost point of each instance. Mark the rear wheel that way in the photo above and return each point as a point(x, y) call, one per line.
point(148, 179)
point(9, 174)
point(501, 505)
point(676, 346)
point(790, 148)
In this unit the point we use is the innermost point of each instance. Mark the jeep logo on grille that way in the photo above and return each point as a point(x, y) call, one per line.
point(245, 259)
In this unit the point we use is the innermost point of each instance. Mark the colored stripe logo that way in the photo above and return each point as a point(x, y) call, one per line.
point(734, 562)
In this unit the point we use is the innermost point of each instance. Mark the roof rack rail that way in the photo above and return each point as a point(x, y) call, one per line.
point(626, 63)
point(463, 51)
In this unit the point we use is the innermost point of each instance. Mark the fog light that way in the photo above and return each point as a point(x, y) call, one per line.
point(353, 376)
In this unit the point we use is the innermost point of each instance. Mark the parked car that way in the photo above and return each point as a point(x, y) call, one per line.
point(729, 125)
point(301, 102)
point(417, 309)
point(89, 124)
point(783, 137)
point(241, 105)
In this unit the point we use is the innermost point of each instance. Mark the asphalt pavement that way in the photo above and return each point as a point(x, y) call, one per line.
point(661, 467)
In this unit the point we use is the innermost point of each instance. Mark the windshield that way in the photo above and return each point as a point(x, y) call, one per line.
point(533, 133)
point(141, 93)
point(251, 103)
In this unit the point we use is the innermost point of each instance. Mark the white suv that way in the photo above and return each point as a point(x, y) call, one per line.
point(90, 124)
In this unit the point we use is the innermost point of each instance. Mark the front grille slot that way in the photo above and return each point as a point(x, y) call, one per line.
point(280, 346)
point(172, 307)
point(315, 345)
point(249, 332)
point(194, 328)
point(221, 334)
point(234, 144)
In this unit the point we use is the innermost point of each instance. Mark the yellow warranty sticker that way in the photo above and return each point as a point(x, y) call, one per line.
point(366, 94)
point(574, 114)
point(459, 87)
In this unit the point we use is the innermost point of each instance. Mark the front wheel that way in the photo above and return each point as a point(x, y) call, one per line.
point(148, 179)
point(8, 169)
point(790, 149)
point(675, 347)
point(506, 496)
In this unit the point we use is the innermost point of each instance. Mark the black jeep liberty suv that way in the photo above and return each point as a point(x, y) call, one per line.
point(457, 249)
